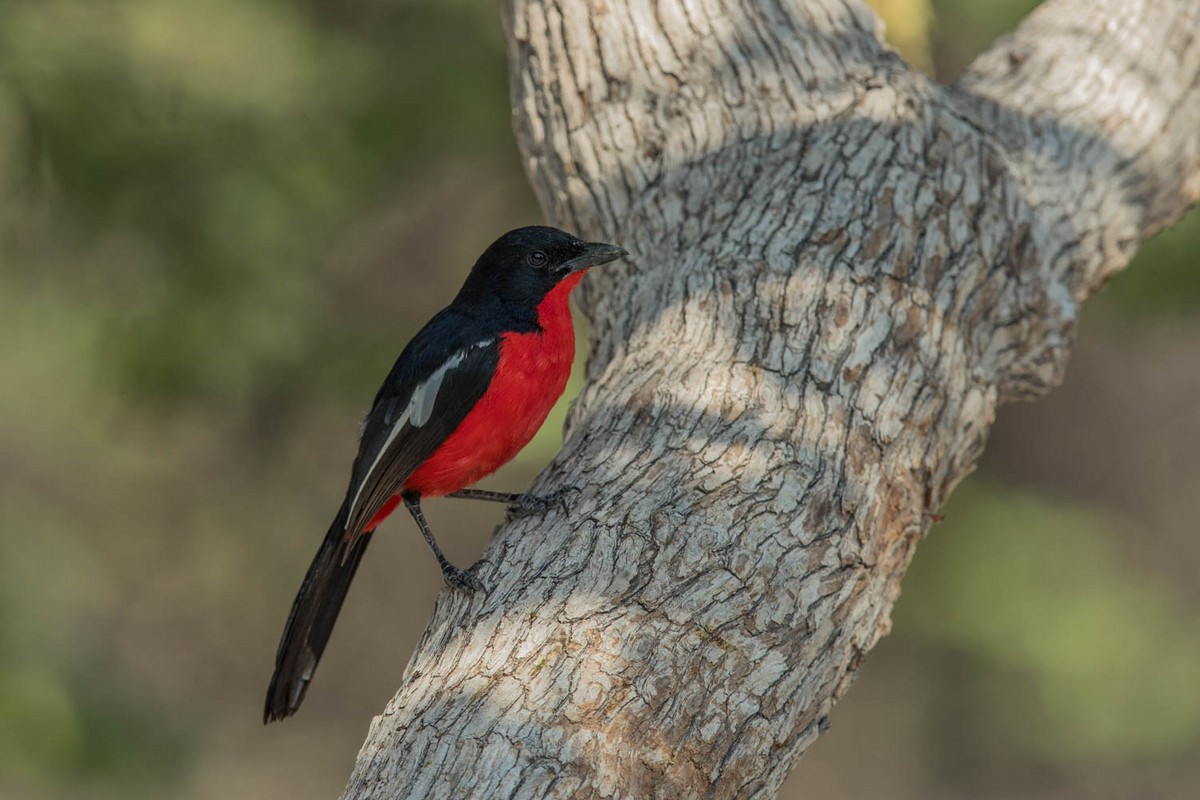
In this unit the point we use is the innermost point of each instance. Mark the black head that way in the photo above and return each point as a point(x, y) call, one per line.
point(523, 265)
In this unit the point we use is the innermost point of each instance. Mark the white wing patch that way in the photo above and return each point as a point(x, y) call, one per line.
point(417, 413)
point(420, 407)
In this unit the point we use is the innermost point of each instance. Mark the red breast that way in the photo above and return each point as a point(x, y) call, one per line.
point(530, 377)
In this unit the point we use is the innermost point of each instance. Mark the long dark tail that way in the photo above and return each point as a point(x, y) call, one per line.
point(311, 619)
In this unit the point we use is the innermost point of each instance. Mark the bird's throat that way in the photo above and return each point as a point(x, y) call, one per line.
point(554, 312)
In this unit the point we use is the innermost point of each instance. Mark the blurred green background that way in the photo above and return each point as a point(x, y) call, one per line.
point(220, 221)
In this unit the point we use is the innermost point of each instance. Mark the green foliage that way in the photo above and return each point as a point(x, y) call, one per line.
point(52, 734)
point(40, 731)
point(1084, 655)
point(185, 167)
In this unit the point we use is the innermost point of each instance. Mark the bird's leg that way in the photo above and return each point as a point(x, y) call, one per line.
point(508, 498)
point(520, 505)
point(454, 577)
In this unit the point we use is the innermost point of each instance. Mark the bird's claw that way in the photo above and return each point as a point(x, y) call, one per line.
point(531, 504)
point(464, 580)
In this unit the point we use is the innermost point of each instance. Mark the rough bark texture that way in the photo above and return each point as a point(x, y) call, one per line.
point(840, 268)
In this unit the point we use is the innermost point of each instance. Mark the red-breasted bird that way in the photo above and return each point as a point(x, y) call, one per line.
point(467, 393)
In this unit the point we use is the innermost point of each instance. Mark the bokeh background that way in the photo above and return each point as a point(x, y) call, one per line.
point(220, 221)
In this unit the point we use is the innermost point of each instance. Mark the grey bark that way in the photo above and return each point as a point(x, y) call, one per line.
point(840, 269)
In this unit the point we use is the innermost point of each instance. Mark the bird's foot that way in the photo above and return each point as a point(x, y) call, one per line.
point(464, 580)
point(529, 504)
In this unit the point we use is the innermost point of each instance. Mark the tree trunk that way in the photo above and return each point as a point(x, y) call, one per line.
point(840, 268)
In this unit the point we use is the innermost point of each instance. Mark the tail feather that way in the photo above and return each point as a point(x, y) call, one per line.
point(311, 619)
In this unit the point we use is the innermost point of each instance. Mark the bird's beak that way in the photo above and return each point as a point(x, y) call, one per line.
point(594, 254)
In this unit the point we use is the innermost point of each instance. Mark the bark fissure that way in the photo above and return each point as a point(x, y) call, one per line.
point(840, 269)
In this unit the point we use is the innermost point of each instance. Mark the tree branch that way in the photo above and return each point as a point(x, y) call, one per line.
point(840, 268)
point(1097, 106)
point(1106, 93)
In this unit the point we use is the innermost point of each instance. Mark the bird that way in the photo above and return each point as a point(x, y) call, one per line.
point(467, 393)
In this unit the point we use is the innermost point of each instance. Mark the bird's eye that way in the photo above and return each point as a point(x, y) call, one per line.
point(537, 258)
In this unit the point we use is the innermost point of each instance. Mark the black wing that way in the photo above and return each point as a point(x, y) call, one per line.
point(434, 385)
